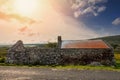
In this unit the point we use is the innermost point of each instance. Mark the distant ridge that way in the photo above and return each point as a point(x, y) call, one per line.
point(111, 39)
point(114, 41)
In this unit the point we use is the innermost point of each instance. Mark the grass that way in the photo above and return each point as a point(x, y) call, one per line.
point(88, 67)
point(68, 67)
point(117, 57)
point(3, 52)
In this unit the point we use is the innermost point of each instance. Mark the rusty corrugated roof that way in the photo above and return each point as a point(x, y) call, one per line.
point(84, 44)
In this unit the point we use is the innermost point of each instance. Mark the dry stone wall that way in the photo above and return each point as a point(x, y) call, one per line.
point(57, 56)
point(87, 56)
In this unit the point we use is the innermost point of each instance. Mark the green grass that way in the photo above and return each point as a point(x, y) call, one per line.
point(3, 51)
point(88, 67)
point(68, 67)
point(117, 57)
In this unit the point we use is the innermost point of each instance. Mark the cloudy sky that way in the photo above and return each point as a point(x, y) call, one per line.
point(35, 21)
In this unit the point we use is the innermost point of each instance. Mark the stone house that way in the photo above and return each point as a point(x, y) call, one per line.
point(75, 52)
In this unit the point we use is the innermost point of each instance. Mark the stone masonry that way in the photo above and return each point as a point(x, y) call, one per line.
point(18, 54)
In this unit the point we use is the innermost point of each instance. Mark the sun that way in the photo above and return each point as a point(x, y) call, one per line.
point(25, 7)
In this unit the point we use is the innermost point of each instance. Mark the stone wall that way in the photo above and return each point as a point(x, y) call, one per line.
point(34, 56)
point(56, 56)
point(87, 56)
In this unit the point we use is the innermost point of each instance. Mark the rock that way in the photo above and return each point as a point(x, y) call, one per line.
point(95, 64)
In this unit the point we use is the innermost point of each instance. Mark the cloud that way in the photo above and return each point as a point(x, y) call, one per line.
point(66, 26)
point(21, 19)
point(7, 13)
point(116, 21)
point(101, 9)
point(23, 29)
point(62, 6)
point(3, 16)
point(32, 34)
point(86, 7)
point(3, 2)
point(96, 1)
point(53, 24)
point(26, 31)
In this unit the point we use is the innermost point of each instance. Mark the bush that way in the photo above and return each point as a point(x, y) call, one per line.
point(51, 45)
point(2, 60)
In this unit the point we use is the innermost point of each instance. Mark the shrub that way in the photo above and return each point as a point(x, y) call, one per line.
point(2, 60)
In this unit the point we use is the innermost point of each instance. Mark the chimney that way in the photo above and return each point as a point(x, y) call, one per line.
point(59, 41)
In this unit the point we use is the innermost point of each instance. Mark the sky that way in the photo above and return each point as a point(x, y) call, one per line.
point(37, 21)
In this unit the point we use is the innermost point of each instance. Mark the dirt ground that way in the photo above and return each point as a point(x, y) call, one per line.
point(25, 73)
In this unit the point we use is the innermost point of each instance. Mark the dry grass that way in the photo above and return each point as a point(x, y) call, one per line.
point(117, 56)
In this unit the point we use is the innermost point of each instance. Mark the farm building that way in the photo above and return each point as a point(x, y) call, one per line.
point(86, 52)
point(75, 52)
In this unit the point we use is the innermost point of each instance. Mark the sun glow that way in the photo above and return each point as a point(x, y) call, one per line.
point(25, 7)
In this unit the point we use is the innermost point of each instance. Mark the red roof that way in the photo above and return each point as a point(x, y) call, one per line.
point(84, 44)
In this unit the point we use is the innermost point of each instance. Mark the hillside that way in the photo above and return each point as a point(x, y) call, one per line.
point(114, 41)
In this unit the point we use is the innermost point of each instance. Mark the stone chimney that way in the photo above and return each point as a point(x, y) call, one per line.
point(59, 41)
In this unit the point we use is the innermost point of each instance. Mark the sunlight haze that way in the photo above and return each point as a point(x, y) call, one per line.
point(35, 21)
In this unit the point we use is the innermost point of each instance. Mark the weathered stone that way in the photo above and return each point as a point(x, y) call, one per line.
point(95, 64)
point(18, 46)
point(18, 54)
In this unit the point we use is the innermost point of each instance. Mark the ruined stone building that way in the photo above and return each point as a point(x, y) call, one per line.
point(75, 52)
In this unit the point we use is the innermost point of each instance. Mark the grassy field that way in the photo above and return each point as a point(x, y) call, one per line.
point(3, 52)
